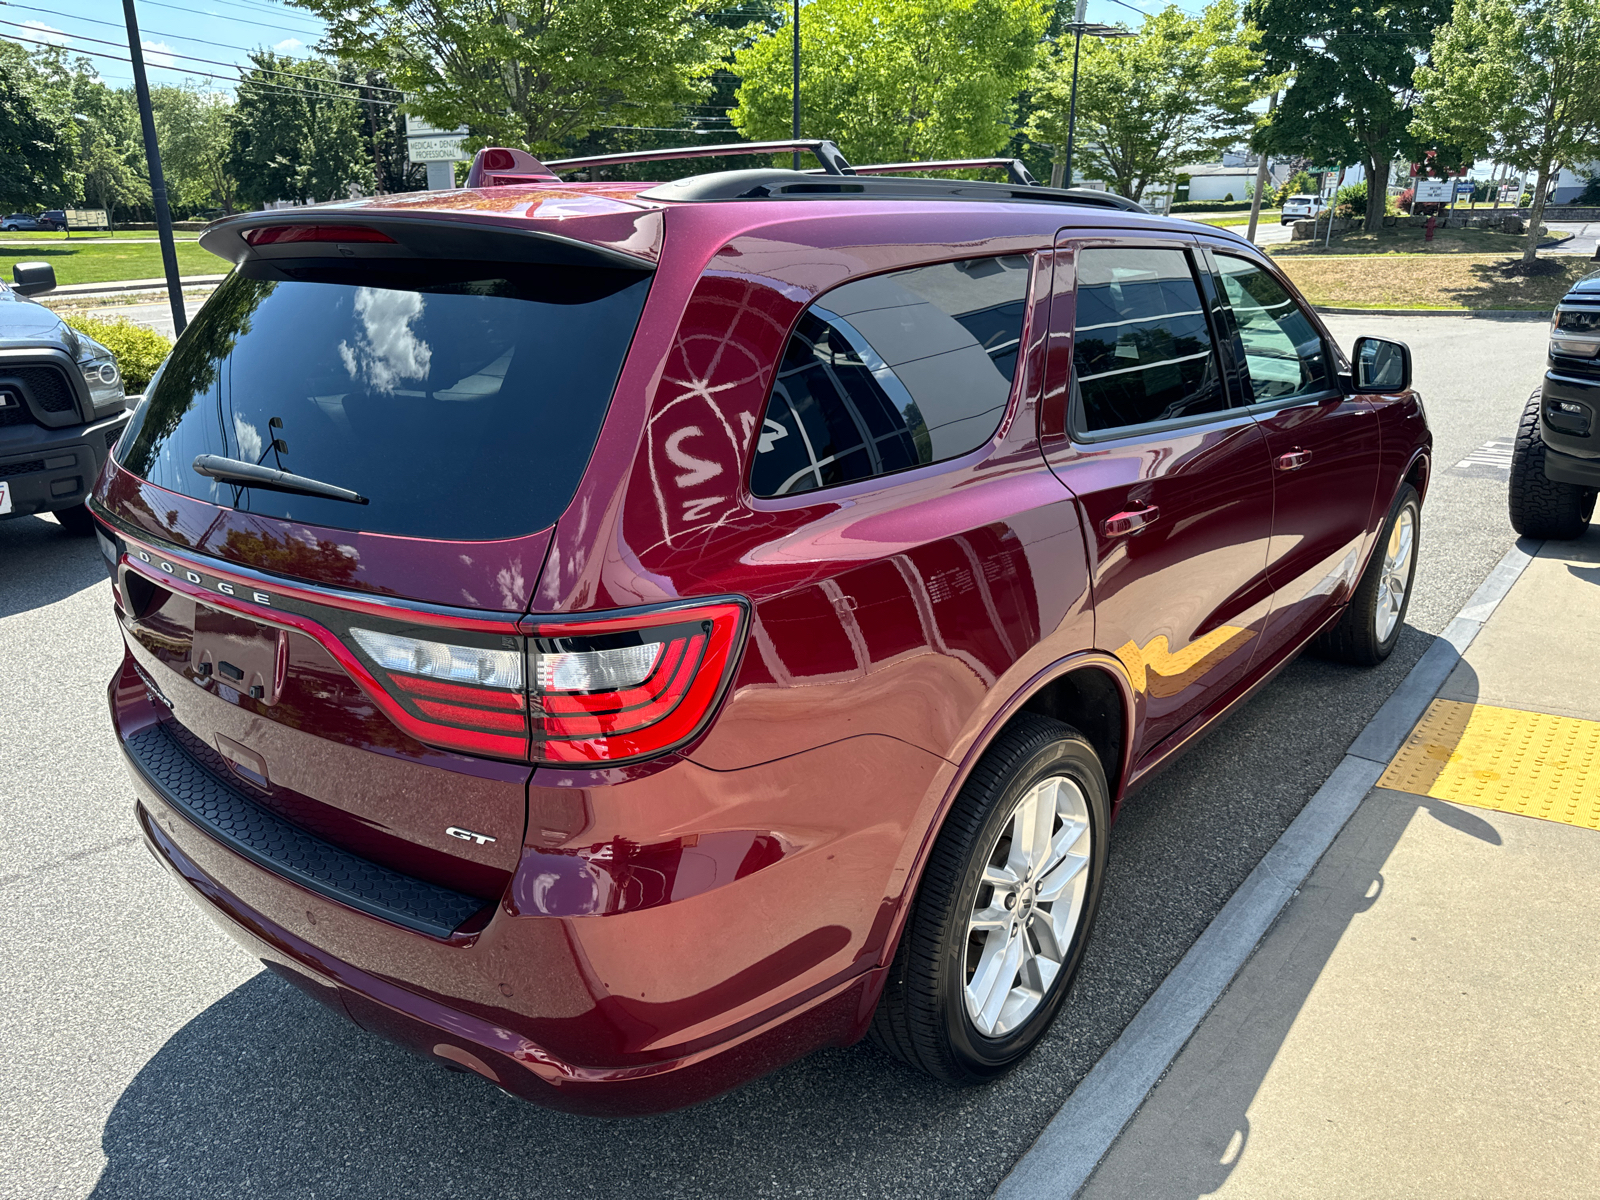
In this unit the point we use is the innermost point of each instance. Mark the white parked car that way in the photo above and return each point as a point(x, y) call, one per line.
point(1302, 208)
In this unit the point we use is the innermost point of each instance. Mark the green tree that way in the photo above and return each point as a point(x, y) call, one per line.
point(533, 74)
point(1147, 105)
point(1353, 94)
point(296, 133)
point(895, 79)
point(35, 151)
point(1520, 80)
point(111, 151)
point(193, 130)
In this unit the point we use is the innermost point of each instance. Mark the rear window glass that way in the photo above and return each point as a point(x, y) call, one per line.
point(893, 372)
point(461, 399)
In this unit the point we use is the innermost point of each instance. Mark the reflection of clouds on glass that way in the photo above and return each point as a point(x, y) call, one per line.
point(388, 349)
point(249, 439)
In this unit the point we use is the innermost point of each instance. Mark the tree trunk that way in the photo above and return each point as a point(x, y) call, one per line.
point(1536, 213)
point(1377, 190)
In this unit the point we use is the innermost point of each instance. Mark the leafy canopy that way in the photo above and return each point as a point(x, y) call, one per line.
point(895, 79)
point(1353, 93)
point(1520, 81)
point(533, 73)
point(297, 134)
point(1150, 104)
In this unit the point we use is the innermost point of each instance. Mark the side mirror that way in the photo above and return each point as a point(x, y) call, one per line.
point(1382, 366)
point(31, 278)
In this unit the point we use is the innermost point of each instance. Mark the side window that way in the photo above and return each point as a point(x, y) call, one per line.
point(1283, 351)
point(893, 372)
point(1141, 349)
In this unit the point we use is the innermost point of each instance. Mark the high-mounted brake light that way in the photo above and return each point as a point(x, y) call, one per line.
point(273, 235)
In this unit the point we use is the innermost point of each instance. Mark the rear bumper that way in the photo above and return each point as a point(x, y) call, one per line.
point(595, 985)
point(52, 469)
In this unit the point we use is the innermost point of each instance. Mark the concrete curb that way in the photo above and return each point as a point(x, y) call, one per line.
point(1066, 1154)
point(1523, 313)
point(132, 285)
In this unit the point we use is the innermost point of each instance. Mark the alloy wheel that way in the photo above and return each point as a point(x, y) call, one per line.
point(1396, 577)
point(1028, 906)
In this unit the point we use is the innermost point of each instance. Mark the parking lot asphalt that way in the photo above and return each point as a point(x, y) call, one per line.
point(145, 1055)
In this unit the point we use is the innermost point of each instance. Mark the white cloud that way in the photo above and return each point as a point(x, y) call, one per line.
point(158, 54)
point(46, 33)
point(288, 45)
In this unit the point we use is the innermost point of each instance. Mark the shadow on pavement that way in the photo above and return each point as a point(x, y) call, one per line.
point(40, 563)
point(1202, 1131)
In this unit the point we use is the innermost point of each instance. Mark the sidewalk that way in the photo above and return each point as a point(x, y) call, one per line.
point(1424, 1017)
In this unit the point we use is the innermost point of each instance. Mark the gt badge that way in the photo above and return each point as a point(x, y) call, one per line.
point(466, 835)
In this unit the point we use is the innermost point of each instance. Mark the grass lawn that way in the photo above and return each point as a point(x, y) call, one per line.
point(1412, 241)
point(1451, 280)
point(107, 261)
point(83, 235)
point(1269, 216)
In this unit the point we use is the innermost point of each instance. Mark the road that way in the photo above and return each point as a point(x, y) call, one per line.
point(1585, 237)
point(145, 1055)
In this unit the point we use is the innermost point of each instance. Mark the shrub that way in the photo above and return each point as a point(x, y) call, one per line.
point(1228, 199)
point(139, 350)
point(1298, 184)
point(1403, 202)
point(1591, 192)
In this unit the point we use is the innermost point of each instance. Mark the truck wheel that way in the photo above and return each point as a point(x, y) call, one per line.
point(1540, 507)
point(1372, 621)
point(1004, 910)
point(75, 521)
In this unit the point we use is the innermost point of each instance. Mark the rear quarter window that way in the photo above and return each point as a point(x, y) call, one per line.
point(893, 372)
point(462, 399)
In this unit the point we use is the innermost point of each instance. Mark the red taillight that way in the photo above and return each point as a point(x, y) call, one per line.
point(272, 235)
point(625, 700)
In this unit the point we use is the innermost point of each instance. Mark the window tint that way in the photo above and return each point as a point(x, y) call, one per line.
point(463, 400)
point(893, 372)
point(1283, 351)
point(1142, 350)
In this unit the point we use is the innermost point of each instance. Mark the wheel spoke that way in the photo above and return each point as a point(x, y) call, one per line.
point(994, 916)
point(1050, 945)
point(1054, 884)
point(999, 986)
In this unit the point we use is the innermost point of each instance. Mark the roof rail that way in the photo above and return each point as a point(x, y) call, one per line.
point(833, 163)
point(1015, 171)
point(773, 183)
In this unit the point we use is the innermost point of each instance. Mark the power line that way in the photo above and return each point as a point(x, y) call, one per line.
point(182, 37)
point(196, 12)
point(263, 85)
point(242, 4)
point(82, 37)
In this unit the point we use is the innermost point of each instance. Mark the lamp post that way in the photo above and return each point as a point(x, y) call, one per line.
point(795, 130)
point(158, 185)
point(1078, 29)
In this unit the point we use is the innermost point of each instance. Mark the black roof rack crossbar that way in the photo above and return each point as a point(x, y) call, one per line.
point(833, 163)
point(1015, 171)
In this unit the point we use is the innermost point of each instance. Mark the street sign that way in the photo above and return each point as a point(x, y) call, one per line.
point(427, 143)
point(1433, 191)
point(87, 218)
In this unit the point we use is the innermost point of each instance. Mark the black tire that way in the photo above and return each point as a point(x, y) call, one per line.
point(75, 521)
point(1540, 507)
point(922, 1016)
point(1356, 638)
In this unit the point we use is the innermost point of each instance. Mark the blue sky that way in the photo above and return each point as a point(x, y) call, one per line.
point(224, 31)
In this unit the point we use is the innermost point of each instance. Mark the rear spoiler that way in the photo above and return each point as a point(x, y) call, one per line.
point(313, 233)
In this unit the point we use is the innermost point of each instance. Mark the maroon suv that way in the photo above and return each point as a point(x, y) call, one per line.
point(617, 638)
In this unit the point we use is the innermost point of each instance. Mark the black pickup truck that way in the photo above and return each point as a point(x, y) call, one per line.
point(62, 406)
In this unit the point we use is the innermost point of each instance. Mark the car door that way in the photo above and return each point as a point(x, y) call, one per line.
point(1323, 445)
point(1172, 478)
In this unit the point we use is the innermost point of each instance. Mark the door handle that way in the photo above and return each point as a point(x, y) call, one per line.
point(1293, 460)
point(1124, 523)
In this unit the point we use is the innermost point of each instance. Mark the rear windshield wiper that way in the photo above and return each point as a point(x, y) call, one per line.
point(235, 470)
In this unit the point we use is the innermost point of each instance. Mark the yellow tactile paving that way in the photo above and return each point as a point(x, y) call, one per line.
point(1528, 763)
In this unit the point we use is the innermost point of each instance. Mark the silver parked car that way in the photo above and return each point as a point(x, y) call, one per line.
point(1302, 208)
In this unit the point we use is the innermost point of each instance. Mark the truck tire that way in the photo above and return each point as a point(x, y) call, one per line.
point(1541, 507)
point(75, 521)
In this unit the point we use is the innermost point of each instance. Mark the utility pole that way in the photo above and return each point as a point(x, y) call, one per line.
point(158, 185)
point(1078, 28)
point(1261, 178)
point(795, 131)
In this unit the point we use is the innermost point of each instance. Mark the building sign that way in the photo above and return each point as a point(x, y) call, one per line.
point(87, 218)
point(426, 143)
point(1434, 191)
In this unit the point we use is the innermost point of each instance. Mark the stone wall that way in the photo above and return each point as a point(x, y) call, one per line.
point(1504, 220)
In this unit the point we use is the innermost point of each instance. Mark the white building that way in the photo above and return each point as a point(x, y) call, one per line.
point(1216, 181)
